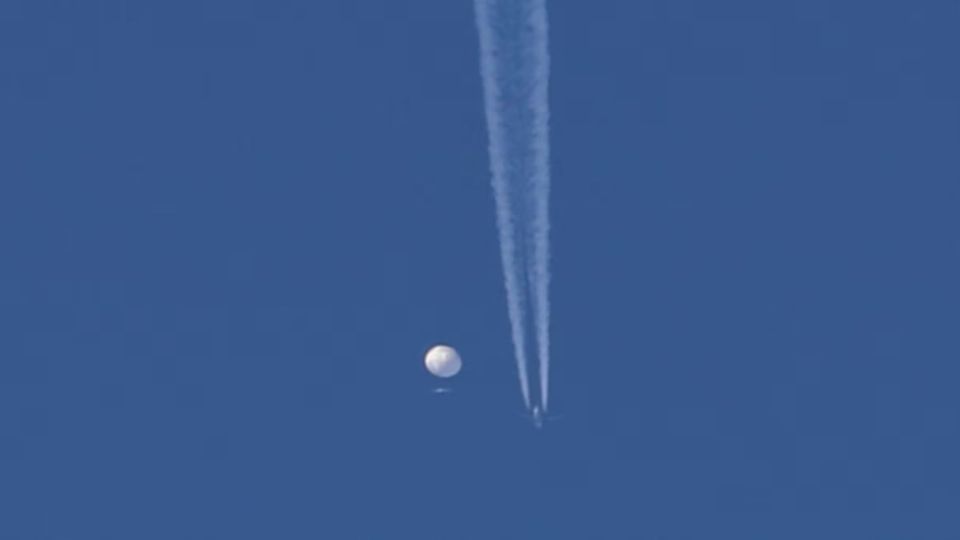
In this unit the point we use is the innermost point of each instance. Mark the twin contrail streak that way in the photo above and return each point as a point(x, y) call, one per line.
point(514, 61)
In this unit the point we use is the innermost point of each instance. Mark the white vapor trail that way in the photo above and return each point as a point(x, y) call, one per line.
point(514, 61)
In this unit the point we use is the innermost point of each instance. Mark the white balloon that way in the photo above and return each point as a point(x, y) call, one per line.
point(443, 361)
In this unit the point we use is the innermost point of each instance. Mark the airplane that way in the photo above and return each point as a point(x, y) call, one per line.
point(538, 417)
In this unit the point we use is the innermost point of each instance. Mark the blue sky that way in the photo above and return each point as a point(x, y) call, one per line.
point(231, 229)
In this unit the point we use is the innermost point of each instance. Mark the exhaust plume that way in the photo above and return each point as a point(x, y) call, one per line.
point(514, 61)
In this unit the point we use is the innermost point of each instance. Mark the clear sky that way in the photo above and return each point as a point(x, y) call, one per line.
point(230, 229)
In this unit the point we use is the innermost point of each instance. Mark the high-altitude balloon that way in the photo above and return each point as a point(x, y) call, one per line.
point(443, 361)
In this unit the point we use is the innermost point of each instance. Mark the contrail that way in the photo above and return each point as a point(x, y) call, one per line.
point(514, 62)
